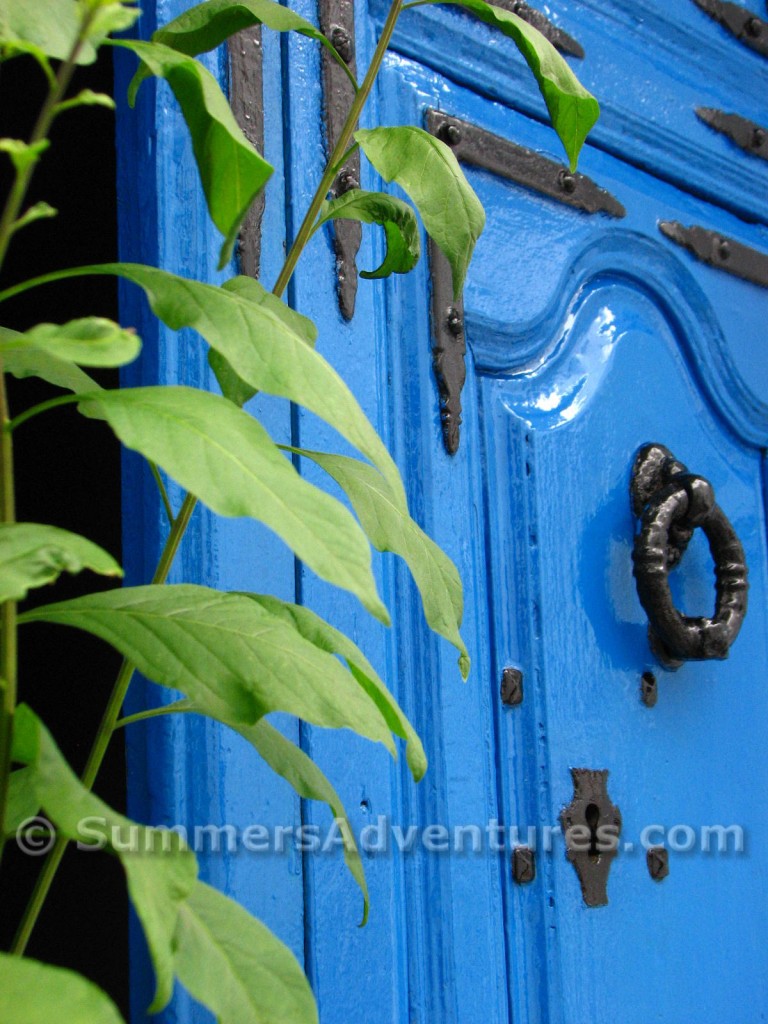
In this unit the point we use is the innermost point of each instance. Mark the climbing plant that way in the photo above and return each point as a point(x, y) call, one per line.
point(235, 657)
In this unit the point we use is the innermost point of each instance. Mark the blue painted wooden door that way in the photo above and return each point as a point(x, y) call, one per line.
point(587, 337)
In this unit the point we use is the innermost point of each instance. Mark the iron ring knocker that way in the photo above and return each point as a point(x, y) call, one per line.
point(671, 503)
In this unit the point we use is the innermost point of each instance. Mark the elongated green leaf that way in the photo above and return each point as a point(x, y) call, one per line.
point(86, 98)
point(390, 529)
point(231, 171)
point(32, 555)
point(38, 211)
point(35, 993)
point(396, 217)
point(261, 347)
point(324, 636)
point(572, 108)
point(232, 385)
point(225, 652)
point(236, 967)
point(109, 17)
point(51, 26)
point(429, 172)
point(92, 341)
point(22, 800)
point(33, 362)
point(160, 872)
point(207, 25)
point(248, 288)
point(300, 771)
point(227, 459)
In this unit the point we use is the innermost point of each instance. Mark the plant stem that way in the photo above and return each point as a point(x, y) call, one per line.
point(103, 736)
point(342, 144)
point(163, 492)
point(142, 716)
point(40, 131)
point(111, 718)
point(8, 650)
point(52, 403)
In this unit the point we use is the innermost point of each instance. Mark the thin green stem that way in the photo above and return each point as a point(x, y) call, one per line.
point(142, 716)
point(23, 176)
point(55, 275)
point(8, 649)
point(342, 64)
point(107, 727)
point(163, 492)
point(111, 717)
point(8, 625)
point(35, 410)
point(305, 231)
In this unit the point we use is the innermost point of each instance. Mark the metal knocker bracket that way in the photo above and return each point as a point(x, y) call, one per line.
point(670, 503)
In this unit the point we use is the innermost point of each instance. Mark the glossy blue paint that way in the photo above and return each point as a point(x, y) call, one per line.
point(587, 337)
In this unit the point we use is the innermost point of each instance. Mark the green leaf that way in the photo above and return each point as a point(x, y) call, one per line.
point(22, 800)
point(19, 47)
point(236, 967)
point(23, 360)
point(33, 362)
point(35, 993)
point(396, 217)
point(231, 171)
point(390, 529)
point(23, 154)
point(86, 98)
point(318, 632)
point(110, 17)
point(261, 346)
point(573, 110)
point(232, 385)
point(159, 870)
point(228, 460)
point(226, 653)
point(250, 289)
point(429, 172)
point(50, 26)
point(300, 771)
point(32, 555)
point(38, 211)
point(207, 25)
point(92, 341)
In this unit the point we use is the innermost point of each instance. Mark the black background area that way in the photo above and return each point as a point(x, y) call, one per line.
point(68, 474)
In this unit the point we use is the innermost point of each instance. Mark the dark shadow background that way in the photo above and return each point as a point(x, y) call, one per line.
point(68, 474)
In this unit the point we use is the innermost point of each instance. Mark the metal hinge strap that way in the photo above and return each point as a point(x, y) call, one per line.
point(247, 101)
point(719, 251)
point(480, 148)
point(751, 137)
point(337, 22)
point(740, 22)
point(559, 39)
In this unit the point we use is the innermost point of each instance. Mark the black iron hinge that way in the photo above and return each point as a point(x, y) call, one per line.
point(559, 39)
point(337, 22)
point(719, 251)
point(246, 99)
point(480, 148)
point(751, 137)
point(740, 22)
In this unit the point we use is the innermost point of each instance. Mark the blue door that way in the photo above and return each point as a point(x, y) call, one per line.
point(588, 336)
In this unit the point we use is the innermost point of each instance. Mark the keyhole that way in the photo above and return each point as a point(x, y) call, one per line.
point(592, 814)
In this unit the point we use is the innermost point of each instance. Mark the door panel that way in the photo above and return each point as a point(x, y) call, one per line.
point(588, 338)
